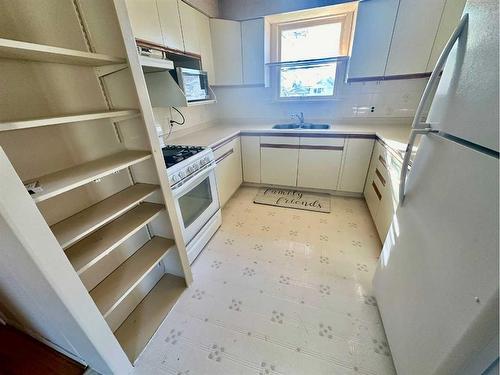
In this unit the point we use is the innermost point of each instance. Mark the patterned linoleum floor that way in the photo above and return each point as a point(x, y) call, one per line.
point(278, 291)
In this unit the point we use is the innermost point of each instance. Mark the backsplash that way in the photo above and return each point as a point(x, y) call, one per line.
point(196, 116)
point(361, 99)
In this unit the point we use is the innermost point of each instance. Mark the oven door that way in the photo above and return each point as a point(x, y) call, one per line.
point(196, 201)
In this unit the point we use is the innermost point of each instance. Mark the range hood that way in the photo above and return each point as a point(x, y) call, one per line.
point(159, 72)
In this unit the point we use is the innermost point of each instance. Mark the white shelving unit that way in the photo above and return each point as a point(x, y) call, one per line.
point(70, 178)
point(15, 49)
point(91, 249)
point(25, 124)
point(76, 227)
point(101, 234)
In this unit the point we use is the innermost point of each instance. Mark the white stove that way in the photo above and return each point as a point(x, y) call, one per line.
point(191, 174)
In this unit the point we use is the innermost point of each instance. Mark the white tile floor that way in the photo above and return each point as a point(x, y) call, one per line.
point(278, 291)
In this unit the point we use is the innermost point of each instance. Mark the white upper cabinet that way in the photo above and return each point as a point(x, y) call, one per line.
point(416, 27)
point(372, 38)
point(144, 19)
point(451, 16)
point(252, 47)
point(189, 24)
point(226, 43)
point(170, 24)
point(205, 38)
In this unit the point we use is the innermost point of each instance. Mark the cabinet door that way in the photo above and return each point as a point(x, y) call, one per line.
point(189, 24)
point(416, 26)
point(228, 171)
point(205, 40)
point(170, 23)
point(451, 16)
point(372, 38)
point(252, 48)
point(250, 155)
point(144, 20)
point(373, 196)
point(226, 46)
point(357, 154)
point(278, 160)
point(319, 162)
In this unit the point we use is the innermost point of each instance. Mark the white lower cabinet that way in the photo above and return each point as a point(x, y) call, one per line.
point(228, 170)
point(382, 188)
point(319, 162)
point(250, 155)
point(278, 160)
point(357, 154)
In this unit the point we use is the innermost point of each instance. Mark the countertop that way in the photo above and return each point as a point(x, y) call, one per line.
point(394, 135)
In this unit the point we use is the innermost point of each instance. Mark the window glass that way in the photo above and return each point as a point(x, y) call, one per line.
point(312, 42)
point(313, 80)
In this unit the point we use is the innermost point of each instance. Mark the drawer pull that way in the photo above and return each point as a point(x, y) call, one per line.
point(277, 145)
point(379, 196)
point(380, 177)
point(382, 160)
point(223, 156)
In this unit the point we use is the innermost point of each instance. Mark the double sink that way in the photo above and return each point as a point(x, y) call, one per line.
point(302, 126)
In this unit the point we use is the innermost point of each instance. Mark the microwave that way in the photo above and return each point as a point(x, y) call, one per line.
point(194, 84)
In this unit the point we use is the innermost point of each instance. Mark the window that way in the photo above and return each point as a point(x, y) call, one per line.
point(308, 55)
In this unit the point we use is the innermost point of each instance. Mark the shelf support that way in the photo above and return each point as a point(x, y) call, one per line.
point(102, 71)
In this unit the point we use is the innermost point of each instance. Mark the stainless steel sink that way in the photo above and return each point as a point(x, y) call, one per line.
point(302, 126)
point(315, 126)
point(286, 126)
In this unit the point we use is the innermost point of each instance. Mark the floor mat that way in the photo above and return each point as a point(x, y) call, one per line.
point(293, 199)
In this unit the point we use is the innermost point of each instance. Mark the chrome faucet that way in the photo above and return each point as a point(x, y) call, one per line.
point(299, 117)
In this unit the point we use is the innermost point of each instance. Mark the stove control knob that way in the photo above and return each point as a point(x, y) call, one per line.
point(174, 179)
point(190, 169)
point(181, 174)
point(204, 161)
point(196, 166)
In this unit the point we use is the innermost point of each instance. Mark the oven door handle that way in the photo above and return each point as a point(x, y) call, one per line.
point(180, 187)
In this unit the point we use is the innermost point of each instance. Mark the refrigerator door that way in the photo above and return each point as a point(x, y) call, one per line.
point(437, 280)
point(466, 101)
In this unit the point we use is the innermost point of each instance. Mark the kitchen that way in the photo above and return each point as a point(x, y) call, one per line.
point(145, 229)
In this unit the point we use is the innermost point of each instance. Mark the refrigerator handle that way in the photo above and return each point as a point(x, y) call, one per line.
point(419, 127)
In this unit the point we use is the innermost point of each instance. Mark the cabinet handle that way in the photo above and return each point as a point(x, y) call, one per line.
point(374, 186)
point(382, 160)
point(276, 145)
point(223, 156)
point(380, 177)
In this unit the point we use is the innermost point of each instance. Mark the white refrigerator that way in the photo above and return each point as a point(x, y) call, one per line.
point(437, 281)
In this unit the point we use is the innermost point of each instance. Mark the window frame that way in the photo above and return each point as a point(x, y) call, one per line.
point(345, 19)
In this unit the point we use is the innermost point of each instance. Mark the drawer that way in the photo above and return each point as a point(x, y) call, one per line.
point(279, 140)
point(220, 151)
point(381, 175)
point(316, 141)
point(373, 196)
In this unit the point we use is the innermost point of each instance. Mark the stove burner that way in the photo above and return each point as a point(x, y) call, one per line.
point(174, 154)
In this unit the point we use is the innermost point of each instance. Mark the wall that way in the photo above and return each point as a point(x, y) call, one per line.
point(393, 99)
point(209, 7)
point(197, 116)
point(246, 9)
